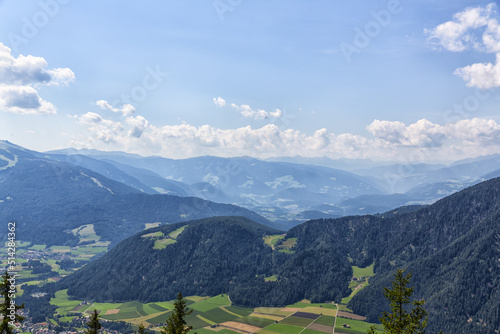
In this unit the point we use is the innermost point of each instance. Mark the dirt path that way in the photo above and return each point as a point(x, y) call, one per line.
point(335, 322)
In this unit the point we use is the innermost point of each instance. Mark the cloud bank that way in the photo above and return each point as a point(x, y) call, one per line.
point(384, 139)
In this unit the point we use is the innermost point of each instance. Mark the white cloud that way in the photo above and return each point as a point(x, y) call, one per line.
point(481, 75)
point(19, 78)
point(125, 110)
point(219, 102)
point(474, 28)
point(476, 131)
point(137, 126)
point(61, 76)
point(246, 111)
point(388, 131)
point(458, 35)
point(259, 114)
point(387, 140)
point(102, 129)
point(277, 114)
point(423, 133)
point(24, 100)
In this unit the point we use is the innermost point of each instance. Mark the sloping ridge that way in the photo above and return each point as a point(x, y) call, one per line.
point(206, 258)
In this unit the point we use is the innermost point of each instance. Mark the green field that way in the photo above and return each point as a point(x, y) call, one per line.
point(363, 272)
point(357, 285)
point(310, 331)
point(153, 235)
point(325, 320)
point(241, 311)
point(161, 240)
point(257, 322)
point(218, 315)
point(160, 318)
point(151, 225)
point(271, 240)
point(280, 328)
point(177, 232)
point(296, 321)
point(165, 305)
point(163, 243)
point(212, 311)
point(357, 326)
point(63, 303)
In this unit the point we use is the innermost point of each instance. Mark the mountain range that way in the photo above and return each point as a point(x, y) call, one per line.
point(281, 189)
point(47, 198)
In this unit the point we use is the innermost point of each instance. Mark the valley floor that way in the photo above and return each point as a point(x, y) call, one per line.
point(216, 314)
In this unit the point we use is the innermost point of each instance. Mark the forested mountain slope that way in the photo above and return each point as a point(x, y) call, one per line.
point(452, 246)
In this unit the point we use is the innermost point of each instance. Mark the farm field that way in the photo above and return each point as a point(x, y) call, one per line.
point(217, 315)
point(360, 280)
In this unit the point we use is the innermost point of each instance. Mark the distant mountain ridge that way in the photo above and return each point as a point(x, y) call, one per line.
point(251, 181)
point(282, 188)
point(48, 197)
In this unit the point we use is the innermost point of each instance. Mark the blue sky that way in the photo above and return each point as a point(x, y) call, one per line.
point(288, 77)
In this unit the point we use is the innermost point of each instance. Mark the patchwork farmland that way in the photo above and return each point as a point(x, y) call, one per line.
point(216, 314)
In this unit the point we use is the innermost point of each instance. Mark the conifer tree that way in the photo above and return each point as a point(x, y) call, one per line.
point(8, 309)
point(176, 323)
point(402, 320)
point(94, 325)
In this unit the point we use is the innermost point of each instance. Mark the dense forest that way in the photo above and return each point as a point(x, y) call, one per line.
point(452, 247)
point(209, 257)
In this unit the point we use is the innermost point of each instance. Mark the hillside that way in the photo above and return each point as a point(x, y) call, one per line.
point(48, 198)
point(209, 257)
point(453, 247)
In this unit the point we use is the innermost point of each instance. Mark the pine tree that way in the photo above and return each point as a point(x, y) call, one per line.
point(176, 323)
point(8, 309)
point(93, 324)
point(401, 320)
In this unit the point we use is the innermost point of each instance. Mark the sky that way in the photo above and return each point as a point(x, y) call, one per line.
point(399, 80)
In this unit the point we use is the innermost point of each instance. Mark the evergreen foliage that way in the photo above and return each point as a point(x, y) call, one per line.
point(8, 308)
point(94, 325)
point(176, 323)
point(401, 320)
